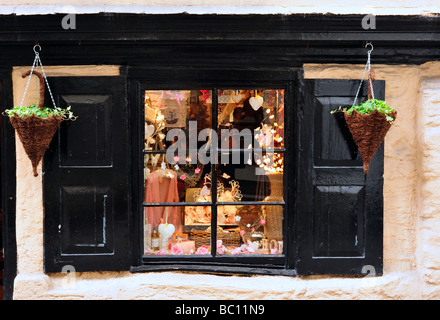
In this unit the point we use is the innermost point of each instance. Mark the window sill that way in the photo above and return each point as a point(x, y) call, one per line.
point(216, 269)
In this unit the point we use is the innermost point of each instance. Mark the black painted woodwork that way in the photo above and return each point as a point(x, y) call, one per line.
point(141, 79)
point(229, 40)
point(339, 209)
point(87, 177)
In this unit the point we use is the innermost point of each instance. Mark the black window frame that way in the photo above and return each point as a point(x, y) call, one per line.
point(213, 79)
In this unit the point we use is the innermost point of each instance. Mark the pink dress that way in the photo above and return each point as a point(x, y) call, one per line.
point(162, 190)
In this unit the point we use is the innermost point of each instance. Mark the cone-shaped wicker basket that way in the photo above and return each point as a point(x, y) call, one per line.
point(368, 130)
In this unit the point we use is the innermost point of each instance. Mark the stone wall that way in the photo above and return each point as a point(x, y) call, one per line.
point(411, 224)
point(428, 240)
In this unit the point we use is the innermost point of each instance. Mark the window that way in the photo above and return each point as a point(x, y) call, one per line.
point(98, 197)
point(213, 160)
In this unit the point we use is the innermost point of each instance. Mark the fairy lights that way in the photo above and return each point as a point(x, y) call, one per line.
point(270, 136)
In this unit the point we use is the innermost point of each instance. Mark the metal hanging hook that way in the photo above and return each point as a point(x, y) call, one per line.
point(35, 49)
point(371, 45)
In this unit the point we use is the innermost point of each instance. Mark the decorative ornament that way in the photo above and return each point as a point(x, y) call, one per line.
point(202, 250)
point(250, 219)
point(149, 130)
point(206, 96)
point(205, 191)
point(237, 97)
point(256, 102)
point(166, 230)
point(225, 213)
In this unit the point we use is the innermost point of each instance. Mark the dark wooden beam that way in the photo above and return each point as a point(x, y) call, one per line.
point(230, 40)
point(178, 27)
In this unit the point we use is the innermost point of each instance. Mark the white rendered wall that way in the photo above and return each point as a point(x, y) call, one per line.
point(377, 7)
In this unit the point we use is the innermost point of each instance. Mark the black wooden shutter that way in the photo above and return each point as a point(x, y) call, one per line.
point(87, 177)
point(340, 210)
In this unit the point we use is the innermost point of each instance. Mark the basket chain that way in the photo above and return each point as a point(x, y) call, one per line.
point(367, 66)
point(37, 61)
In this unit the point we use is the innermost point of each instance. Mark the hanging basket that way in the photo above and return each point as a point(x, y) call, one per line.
point(34, 125)
point(368, 131)
point(368, 122)
point(35, 134)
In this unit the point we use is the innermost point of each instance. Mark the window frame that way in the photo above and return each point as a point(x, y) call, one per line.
point(213, 79)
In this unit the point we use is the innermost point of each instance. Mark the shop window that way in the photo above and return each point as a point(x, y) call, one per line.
point(225, 174)
point(283, 187)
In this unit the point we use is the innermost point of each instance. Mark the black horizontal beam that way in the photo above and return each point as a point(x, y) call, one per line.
point(178, 27)
point(229, 40)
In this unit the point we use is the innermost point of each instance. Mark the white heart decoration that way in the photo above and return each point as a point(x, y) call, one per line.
point(256, 102)
point(225, 98)
point(237, 97)
point(149, 130)
point(166, 230)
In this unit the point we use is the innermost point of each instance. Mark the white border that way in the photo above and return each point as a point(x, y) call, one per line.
point(217, 9)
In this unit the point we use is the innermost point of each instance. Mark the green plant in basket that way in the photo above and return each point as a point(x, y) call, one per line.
point(34, 110)
point(368, 126)
point(367, 107)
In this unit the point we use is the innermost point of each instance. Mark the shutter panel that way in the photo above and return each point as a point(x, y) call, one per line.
point(86, 177)
point(340, 210)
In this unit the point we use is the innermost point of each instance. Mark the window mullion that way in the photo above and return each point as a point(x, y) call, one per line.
point(214, 113)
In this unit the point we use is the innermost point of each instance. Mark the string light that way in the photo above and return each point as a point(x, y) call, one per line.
point(270, 136)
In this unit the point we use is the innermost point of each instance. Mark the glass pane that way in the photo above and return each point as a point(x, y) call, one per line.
point(256, 115)
point(165, 182)
point(178, 143)
point(172, 237)
point(260, 231)
point(258, 176)
point(174, 120)
point(176, 116)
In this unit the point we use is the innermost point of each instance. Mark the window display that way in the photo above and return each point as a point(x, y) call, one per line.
point(194, 171)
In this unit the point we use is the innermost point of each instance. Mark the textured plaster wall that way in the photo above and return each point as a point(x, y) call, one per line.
point(411, 219)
